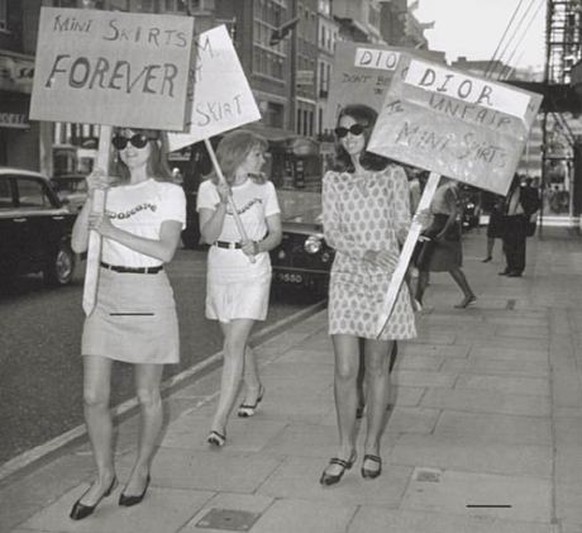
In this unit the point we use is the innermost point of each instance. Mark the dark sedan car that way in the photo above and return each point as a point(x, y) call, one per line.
point(35, 228)
point(303, 259)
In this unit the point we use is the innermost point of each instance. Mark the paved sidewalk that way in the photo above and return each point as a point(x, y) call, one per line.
point(485, 435)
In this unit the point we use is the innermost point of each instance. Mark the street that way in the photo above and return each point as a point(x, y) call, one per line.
point(40, 336)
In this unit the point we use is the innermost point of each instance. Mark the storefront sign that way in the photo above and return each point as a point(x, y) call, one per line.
point(455, 124)
point(114, 68)
point(16, 73)
point(222, 98)
point(14, 112)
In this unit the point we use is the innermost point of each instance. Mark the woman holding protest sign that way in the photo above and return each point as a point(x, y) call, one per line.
point(366, 217)
point(239, 269)
point(441, 250)
point(134, 319)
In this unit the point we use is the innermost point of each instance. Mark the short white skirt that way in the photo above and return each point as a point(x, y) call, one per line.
point(134, 320)
point(226, 301)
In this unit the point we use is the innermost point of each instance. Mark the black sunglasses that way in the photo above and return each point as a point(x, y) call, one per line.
point(139, 140)
point(354, 129)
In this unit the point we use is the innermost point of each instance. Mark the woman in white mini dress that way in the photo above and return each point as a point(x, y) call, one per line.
point(239, 272)
point(134, 319)
point(366, 217)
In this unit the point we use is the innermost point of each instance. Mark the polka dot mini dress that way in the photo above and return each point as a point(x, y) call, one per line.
point(366, 211)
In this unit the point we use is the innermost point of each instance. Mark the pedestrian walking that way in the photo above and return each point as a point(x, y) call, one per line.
point(495, 227)
point(239, 272)
point(521, 205)
point(366, 217)
point(134, 319)
point(442, 250)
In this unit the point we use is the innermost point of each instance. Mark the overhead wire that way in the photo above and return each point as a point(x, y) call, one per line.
point(493, 58)
point(514, 33)
point(521, 38)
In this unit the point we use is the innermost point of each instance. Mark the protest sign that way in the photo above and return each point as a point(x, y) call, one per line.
point(221, 98)
point(455, 124)
point(120, 69)
point(361, 75)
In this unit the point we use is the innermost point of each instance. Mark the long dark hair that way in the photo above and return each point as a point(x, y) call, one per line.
point(366, 116)
point(158, 167)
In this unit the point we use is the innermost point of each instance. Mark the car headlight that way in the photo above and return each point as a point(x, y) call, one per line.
point(312, 244)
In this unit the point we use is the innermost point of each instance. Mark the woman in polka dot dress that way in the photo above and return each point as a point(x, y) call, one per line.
point(366, 217)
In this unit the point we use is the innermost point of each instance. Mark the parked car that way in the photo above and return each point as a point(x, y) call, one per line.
point(470, 199)
point(35, 228)
point(303, 259)
point(71, 190)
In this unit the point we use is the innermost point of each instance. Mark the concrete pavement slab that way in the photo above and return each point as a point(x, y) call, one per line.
point(479, 494)
point(507, 367)
point(471, 456)
point(489, 427)
point(370, 519)
point(164, 510)
point(292, 516)
point(487, 401)
point(255, 504)
point(297, 478)
point(509, 384)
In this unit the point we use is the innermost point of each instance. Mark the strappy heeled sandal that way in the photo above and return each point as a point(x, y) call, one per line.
point(246, 410)
point(216, 439)
point(366, 472)
point(331, 479)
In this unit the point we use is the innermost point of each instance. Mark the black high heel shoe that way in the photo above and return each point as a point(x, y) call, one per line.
point(246, 410)
point(127, 500)
point(367, 473)
point(80, 510)
point(331, 479)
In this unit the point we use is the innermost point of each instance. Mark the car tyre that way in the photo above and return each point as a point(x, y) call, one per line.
point(59, 271)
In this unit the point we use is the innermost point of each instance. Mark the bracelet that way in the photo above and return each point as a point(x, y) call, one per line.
point(256, 247)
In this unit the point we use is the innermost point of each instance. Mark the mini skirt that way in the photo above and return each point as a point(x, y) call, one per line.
point(134, 319)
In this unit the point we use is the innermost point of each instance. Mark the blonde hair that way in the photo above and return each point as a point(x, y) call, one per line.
point(232, 151)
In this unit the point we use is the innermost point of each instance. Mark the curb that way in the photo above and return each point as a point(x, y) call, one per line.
point(28, 458)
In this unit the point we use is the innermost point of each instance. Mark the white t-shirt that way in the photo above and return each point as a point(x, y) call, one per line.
point(254, 203)
point(140, 209)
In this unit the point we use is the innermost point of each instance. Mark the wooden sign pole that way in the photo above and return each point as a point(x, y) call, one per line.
point(97, 206)
point(241, 229)
point(406, 254)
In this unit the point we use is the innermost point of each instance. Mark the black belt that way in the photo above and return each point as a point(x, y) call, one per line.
point(229, 245)
point(132, 270)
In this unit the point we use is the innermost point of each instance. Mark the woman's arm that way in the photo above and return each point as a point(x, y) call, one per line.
point(272, 240)
point(401, 203)
point(212, 220)
point(97, 180)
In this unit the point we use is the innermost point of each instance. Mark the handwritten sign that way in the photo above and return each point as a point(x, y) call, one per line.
point(361, 74)
point(121, 69)
point(454, 124)
point(221, 98)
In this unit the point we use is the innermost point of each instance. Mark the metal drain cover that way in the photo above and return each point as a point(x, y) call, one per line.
point(228, 519)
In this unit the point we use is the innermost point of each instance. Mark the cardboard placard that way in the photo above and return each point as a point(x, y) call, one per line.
point(455, 124)
point(221, 98)
point(362, 74)
point(114, 68)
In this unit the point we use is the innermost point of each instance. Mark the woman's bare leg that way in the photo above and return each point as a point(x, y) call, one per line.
point(147, 383)
point(347, 361)
point(236, 336)
point(96, 393)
